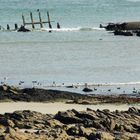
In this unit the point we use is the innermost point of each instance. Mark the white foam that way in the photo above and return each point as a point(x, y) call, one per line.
point(72, 29)
point(93, 84)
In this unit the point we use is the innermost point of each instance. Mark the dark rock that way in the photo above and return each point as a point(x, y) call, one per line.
point(71, 124)
point(67, 117)
point(119, 127)
point(124, 33)
point(129, 128)
point(87, 115)
point(134, 110)
point(115, 26)
point(87, 90)
point(138, 33)
point(23, 29)
point(92, 136)
point(73, 131)
point(92, 123)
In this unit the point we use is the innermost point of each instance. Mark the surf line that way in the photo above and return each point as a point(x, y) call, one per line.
point(90, 84)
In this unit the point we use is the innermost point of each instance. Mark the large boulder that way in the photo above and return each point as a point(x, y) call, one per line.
point(67, 117)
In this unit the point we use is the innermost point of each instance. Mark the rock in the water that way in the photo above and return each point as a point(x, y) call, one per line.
point(87, 90)
point(124, 33)
point(23, 29)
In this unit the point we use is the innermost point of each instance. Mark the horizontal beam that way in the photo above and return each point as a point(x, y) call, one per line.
point(38, 22)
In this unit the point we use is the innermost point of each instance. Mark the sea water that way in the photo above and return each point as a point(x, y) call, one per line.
point(80, 52)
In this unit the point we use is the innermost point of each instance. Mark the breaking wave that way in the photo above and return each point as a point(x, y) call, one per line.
point(94, 84)
point(72, 29)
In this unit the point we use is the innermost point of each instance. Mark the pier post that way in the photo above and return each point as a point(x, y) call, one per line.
point(8, 27)
point(58, 25)
point(32, 21)
point(41, 24)
point(16, 26)
point(49, 22)
point(23, 19)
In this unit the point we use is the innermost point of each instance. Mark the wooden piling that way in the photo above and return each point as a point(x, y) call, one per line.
point(41, 24)
point(23, 19)
point(32, 21)
point(16, 26)
point(8, 27)
point(49, 22)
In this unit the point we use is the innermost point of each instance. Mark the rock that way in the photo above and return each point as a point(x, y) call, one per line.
point(137, 33)
point(92, 123)
point(129, 128)
point(2, 129)
point(79, 131)
point(53, 123)
point(84, 102)
point(71, 125)
point(89, 109)
point(134, 110)
point(87, 115)
point(10, 130)
point(67, 117)
point(73, 131)
point(119, 127)
point(112, 124)
point(23, 29)
point(3, 121)
point(10, 123)
point(92, 136)
point(13, 91)
point(6, 87)
point(124, 33)
point(87, 131)
point(104, 136)
point(87, 90)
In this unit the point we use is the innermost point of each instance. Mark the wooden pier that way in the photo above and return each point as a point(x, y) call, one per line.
point(33, 22)
point(40, 22)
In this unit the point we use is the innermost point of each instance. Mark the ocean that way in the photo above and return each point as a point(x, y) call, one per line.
point(80, 52)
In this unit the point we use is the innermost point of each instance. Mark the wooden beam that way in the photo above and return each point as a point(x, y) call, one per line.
point(41, 24)
point(49, 22)
point(23, 19)
point(32, 21)
point(29, 23)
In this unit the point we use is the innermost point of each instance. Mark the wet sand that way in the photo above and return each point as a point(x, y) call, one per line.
point(53, 108)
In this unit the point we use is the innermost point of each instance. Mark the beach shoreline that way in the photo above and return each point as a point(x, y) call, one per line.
point(71, 124)
point(53, 108)
point(41, 114)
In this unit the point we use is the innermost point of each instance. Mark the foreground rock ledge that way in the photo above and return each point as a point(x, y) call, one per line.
point(71, 125)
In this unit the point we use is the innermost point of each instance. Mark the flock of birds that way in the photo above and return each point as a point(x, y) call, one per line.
point(86, 87)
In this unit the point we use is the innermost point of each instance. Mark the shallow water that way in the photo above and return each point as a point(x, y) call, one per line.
point(80, 52)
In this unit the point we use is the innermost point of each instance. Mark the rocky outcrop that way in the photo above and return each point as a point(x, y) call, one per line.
point(123, 33)
point(122, 26)
point(23, 29)
point(42, 95)
point(87, 90)
point(35, 95)
point(71, 125)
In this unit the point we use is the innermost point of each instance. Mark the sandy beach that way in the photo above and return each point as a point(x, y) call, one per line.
point(40, 114)
point(53, 108)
